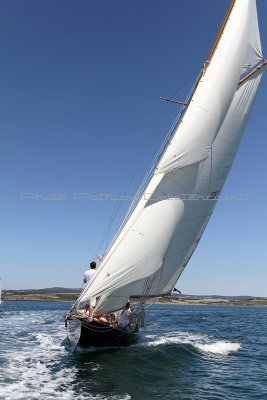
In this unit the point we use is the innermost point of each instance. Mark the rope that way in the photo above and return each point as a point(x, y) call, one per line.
point(150, 172)
point(123, 194)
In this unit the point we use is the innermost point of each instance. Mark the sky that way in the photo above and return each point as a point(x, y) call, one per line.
point(80, 83)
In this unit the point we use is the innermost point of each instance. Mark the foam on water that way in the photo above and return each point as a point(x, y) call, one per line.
point(35, 371)
point(219, 347)
point(201, 342)
point(29, 373)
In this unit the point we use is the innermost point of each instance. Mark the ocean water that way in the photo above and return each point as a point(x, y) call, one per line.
point(184, 353)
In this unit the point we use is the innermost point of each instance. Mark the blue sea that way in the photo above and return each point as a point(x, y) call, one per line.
point(184, 353)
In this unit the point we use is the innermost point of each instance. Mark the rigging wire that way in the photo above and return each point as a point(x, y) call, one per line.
point(123, 195)
point(156, 160)
point(188, 81)
point(136, 198)
point(106, 234)
point(194, 43)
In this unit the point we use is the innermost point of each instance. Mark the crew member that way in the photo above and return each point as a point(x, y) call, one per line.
point(88, 276)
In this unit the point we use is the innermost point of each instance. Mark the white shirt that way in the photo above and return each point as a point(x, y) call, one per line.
point(88, 275)
point(124, 317)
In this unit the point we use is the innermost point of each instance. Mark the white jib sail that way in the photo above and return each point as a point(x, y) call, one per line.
point(154, 246)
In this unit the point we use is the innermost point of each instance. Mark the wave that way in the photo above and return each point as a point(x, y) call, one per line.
point(202, 343)
point(220, 347)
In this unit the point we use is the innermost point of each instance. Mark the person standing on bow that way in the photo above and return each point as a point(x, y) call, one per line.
point(88, 276)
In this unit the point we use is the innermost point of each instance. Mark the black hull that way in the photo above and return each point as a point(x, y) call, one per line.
point(95, 334)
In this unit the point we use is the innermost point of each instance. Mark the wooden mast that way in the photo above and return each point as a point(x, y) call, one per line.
point(212, 51)
point(221, 31)
point(218, 37)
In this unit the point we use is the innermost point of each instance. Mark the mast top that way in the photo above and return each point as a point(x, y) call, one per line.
point(212, 51)
point(220, 32)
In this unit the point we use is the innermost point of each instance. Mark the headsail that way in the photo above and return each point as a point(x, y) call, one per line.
point(160, 236)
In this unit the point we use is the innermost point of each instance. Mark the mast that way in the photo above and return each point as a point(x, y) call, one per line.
point(212, 51)
point(218, 37)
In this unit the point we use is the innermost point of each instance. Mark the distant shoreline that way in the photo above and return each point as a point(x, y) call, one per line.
point(71, 297)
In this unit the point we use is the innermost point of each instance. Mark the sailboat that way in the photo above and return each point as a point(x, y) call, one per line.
point(171, 209)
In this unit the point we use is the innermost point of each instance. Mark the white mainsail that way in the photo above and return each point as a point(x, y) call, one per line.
point(157, 241)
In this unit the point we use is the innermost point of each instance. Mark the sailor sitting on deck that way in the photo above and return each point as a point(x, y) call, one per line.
point(124, 318)
point(104, 318)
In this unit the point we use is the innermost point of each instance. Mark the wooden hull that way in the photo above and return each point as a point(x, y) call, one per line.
point(95, 334)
